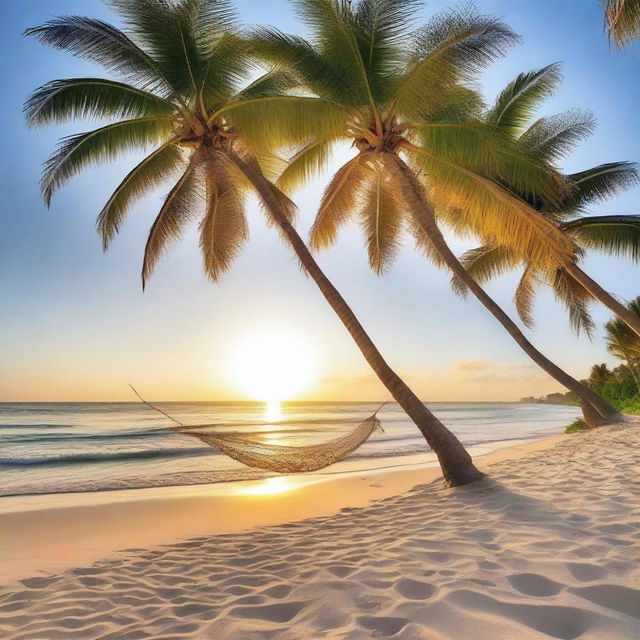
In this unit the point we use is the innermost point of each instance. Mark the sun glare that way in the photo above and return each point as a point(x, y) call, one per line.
point(267, 487)
point(272, 366)
point(273, 411)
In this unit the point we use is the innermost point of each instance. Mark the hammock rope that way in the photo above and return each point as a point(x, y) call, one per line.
point(274, 457)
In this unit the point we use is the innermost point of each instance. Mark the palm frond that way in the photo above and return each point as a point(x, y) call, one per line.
point(450, 105)
point(600, 183)
point(615, 235)
point(271, 165)
point(145, 177)
point(622, 20)
point(487, 151)
point(295, 55)
point(381, 217)
point(463, 196)
point(335, 32)
point(211, 20)
point(102, 43)
point(551, 138)
point(223, 230)
point(340, 201)
point(486, 263)
point(223, 71)
point(166, 30)
point(307, 162)
point(280, 121)
point(184, 204)
point(622, 341)
point(275, 82)
point(77, 152)
point(59, 101)
point(452, 48)
point(576, 299)
point(517, 102)
point(412, 199)
point(525, 295)
point(382, 27)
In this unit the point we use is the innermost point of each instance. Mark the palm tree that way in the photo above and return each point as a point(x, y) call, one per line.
point(181, 95)
point(599, 375)
point(623, 343)
point(548, 139)
point(407, 111)
point(622, 21)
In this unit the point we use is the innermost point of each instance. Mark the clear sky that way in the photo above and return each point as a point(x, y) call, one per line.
point(74, 324)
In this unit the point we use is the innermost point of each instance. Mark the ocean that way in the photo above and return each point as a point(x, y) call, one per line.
point(77, 447)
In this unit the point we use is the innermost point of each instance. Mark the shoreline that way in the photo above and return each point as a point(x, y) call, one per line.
point(546, 547)
point(47, 533)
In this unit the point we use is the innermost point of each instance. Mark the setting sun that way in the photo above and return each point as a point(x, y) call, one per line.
point(273, 366)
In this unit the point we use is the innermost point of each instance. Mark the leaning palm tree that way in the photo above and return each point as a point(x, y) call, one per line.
point(419, 143)
point(624, 344)
point(549, 139)
point(622, 21)
point(180, 93)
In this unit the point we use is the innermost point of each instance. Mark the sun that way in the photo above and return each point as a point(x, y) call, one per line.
point(272, 366)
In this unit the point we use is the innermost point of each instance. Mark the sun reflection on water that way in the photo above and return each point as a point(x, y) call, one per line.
point(273, 411)
point(269, 486)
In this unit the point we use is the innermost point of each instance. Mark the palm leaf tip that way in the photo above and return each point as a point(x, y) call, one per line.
point(550, 138)
point(339, 202)
point(622, 21)
point(524, 297)
point(184, 203)
point(615, 235)
point(602, 182)
point(518, 100)
point(79, 151)
point(576, 299)
point(61, 100)
point(104, 44)
point(451, 49)
point(145, 177)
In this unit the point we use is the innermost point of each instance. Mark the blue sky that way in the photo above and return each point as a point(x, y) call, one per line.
point(74, 324)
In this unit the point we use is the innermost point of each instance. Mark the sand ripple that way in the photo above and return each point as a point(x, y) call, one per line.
point(547, 548)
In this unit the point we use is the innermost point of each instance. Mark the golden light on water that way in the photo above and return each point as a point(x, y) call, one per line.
point(272, 366)
point(273, 411)
point(267, 487)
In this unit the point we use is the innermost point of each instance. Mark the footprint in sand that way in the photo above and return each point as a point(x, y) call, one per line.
point(532, 584)
point(414, 589)
point(585, 572)
point(272, 612)
point(385, 626)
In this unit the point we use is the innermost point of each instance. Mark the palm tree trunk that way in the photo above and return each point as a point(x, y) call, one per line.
point(593, 405)
point(627, 316)
point(455, 462)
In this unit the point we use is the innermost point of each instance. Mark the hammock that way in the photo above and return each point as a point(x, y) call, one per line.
point(275, 457)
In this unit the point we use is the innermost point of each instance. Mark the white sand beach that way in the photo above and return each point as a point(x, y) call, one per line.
point(547, 547)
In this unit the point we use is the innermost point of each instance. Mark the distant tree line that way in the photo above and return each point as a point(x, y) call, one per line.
point(620, 387)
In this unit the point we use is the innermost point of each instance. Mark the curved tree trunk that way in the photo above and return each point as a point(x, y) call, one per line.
point(627, 316)
point(456, 464)
point(425, 219)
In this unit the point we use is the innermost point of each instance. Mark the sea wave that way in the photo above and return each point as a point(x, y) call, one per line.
point(106, 457)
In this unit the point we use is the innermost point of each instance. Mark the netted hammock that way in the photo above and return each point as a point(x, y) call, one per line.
point(275, 457)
